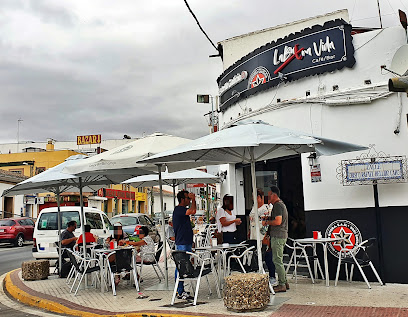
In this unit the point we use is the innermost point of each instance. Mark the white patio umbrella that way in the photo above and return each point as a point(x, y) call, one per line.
point(247, 142)
point(120, 163)
point(191, 176)
point(55, 181)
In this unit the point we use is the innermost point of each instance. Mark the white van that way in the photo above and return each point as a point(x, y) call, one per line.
point(46, 228)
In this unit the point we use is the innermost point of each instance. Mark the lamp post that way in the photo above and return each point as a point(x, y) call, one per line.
point(206, 99)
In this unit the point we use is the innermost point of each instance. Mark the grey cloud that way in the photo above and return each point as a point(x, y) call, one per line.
point(52, 12)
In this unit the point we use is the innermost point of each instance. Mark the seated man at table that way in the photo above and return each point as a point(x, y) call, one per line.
point(145, 245)
point(67, 236)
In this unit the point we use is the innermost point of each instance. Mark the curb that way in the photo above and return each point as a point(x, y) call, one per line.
point(56, 307)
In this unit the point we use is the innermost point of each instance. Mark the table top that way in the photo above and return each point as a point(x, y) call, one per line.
point(111, 250)
point(222, 247)
point(321, 240)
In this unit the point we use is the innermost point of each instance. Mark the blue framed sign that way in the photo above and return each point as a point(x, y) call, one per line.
point(367, 171)
point(315, 50)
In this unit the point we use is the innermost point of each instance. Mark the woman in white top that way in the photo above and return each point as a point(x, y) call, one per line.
point(228, 221)
point(145, 245)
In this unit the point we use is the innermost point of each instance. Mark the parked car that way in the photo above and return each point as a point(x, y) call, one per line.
point(46, 228)
point(16, 230)
point(133, 221)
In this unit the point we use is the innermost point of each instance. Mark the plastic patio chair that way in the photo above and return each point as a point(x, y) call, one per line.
point(357, 256)
point(155, 263)
point(299, 253)
point(83, 266)
point(124, 264)
point(187, 272)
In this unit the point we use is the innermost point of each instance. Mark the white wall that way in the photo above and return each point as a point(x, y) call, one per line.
point(364, 124)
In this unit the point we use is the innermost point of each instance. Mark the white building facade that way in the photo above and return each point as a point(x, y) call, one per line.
point(349, 101)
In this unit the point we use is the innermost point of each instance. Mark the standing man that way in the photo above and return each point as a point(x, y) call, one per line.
point(278, 231)
point(183, 230)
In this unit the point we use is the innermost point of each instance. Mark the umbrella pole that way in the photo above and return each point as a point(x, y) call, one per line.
point(166, 273)
point(174, 193)
point(208, 205)
point(59, 232)
point(81, 201)
point(255, 211)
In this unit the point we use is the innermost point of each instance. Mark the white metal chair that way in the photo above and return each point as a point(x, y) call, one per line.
point(83, 266)
point(154, 263)
point(299, 253)
point(357, 256)
point(187, 272)
point(124, 264)
point(244, 260)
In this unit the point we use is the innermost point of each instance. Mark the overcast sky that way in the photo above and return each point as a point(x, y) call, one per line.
point(115, 67)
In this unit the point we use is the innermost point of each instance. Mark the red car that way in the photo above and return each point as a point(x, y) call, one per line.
point(16, 230)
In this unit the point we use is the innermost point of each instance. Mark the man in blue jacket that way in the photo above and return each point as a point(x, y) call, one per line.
point(183, 230)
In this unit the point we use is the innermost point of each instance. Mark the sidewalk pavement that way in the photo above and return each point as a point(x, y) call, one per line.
point(303, 299)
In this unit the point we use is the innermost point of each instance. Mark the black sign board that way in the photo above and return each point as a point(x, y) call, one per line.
point(315, 50)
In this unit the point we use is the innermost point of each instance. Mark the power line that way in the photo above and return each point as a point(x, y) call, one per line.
point(198, 23)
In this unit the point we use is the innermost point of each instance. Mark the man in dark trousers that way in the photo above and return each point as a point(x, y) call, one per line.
point(183, 230)
point(278, 231)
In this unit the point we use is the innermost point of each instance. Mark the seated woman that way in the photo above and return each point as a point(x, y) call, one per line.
point(118, 234)
point(145, 245)
point(121, 238)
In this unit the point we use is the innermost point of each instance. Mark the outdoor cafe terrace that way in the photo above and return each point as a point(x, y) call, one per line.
point(303, 296)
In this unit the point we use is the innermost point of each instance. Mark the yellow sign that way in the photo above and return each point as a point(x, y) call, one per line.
point(141, 196)
point(89, 139)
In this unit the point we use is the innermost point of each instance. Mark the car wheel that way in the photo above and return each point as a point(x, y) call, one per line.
point(19, 241)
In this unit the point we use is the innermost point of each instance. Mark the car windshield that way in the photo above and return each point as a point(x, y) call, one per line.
point(48, 221)
point(7, 222)
point(125, 221)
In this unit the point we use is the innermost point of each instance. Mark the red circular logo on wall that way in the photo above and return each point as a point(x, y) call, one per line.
point(259, 79)
point(259, 76)
point(347, 231)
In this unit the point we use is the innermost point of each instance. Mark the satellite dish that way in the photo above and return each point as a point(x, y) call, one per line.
point(399, 62)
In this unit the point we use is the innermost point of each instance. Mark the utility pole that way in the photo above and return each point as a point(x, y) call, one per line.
point(18, 132)
point(379, 12)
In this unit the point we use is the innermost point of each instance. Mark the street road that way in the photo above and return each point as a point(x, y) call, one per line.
point(11, 258)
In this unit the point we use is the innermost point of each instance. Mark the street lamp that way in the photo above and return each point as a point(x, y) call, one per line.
point(206, 99)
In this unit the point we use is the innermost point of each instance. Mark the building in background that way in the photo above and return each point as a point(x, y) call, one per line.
point(27, 159)
point(10, 206)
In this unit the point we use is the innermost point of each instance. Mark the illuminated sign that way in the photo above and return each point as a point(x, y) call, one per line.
point(89, 139)
point(314, 50)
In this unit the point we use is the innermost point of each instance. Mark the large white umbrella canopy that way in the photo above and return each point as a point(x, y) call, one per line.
point(191, 176)
point(247, 142)
point(120, 163)
point(55, 181)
